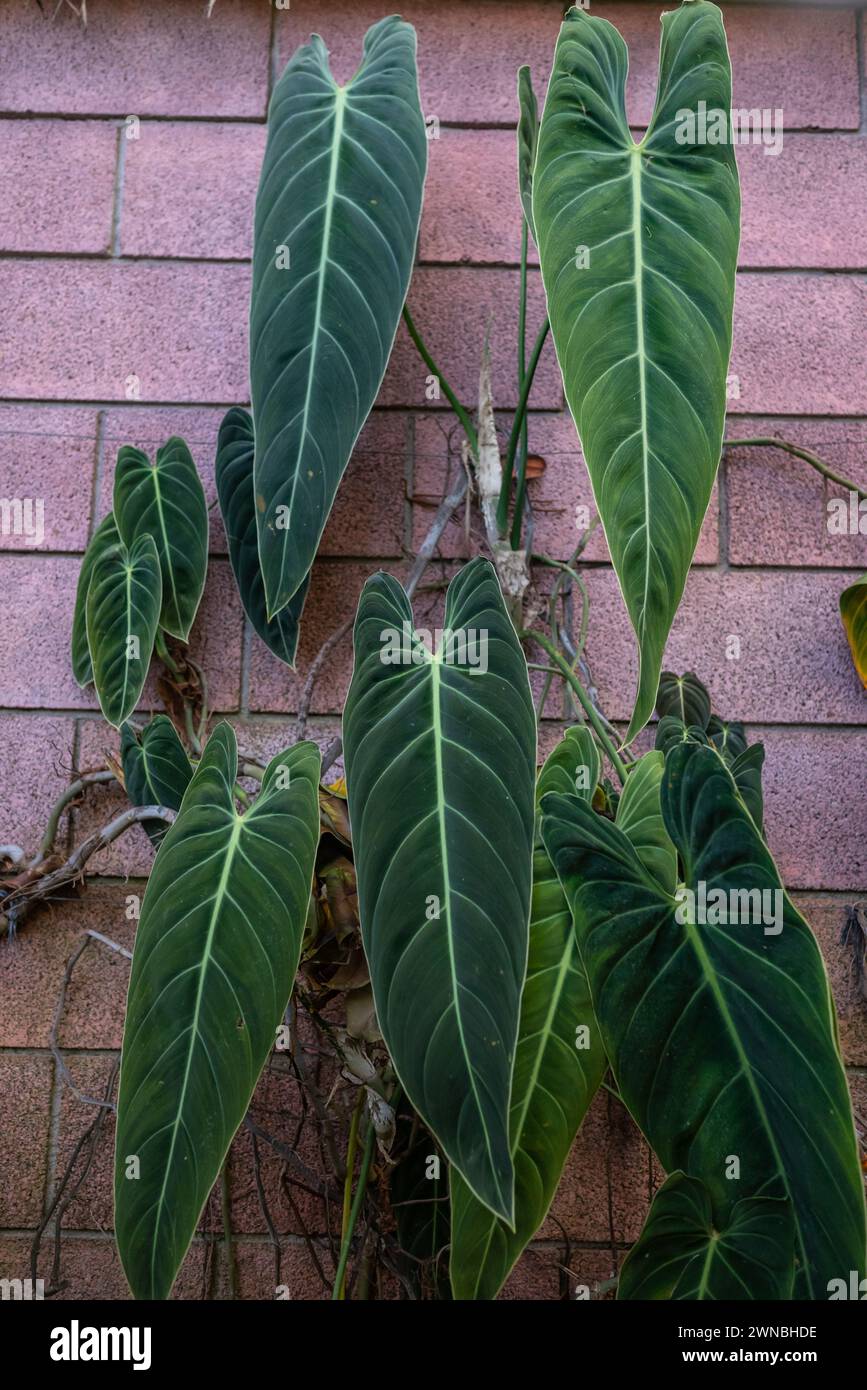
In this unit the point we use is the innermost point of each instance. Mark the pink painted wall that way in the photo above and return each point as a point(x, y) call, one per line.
point(131, 257)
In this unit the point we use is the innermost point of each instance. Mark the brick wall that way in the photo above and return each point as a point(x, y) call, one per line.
point(124, 257)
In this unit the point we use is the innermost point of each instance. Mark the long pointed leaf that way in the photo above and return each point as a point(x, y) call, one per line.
point(216, 953)
point(643, 328)
point(440, 763)
point(680, 1255)
point(722, 1036)
point(337, 217)
point(559, 1061)
point(123, 609)
point(234, 473)
point(166, 500)
point(639, 815)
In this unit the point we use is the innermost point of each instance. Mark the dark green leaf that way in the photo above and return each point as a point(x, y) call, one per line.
point(721, 1035)
point(746, 769)
point(670, 731)
point(337, 217)
point(440, 758)
point(104, 537)
point(559, 1062)
point(166, 500)
point(215, 957)
point(528, 135)
point(684, 697)
point(727, 736)
point(156, 770)
point(638, 246)
point(681, 1255)
point(639, 815)
point(234, 472)
point(123, 609)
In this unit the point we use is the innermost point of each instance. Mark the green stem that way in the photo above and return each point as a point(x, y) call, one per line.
point(530, 635)
point(164, 655)
point(351, 1220)
point(465, 421)
point(768, 442)
point(512, 447)
point(358, 1199)
point(523, 445)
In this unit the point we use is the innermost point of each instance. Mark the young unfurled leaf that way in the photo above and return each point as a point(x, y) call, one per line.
point(123, 610)
point(166, 500)
point(853, 611)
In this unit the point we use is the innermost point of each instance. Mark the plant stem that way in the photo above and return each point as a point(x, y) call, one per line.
point(350, 1171)
point(225, 1206)
point(463, 416)
point(530, 635)
point(511, 448)
point(768, 442)
point(164, 655)
point(522, 372)
point(87, 779)
point(338, 1293)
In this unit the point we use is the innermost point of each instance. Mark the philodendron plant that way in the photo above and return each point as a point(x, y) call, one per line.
point(525, 933)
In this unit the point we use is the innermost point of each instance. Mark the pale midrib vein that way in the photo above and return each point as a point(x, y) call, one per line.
point(194, 1031)
point(158, 498)
point(710, 976)
point(638, 259)
point(330, 198)
point(434, 666)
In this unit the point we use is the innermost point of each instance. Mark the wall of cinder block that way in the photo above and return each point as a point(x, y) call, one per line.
point(124, 258)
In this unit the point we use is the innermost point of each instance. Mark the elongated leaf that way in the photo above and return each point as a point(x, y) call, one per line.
point(685, 697)
point(559, 1063)
point(528, 136)
point(166, 500)
point(639, 815)
point(440, 755)
point(234, 472)
point(103, 538)
point(721, 1036)
point(680, 1255)
point(729, 741)
point(643, 327)
point(853, 611)
point(215, 958)
point(123, 610)
point(156, 770)
point(337, 217)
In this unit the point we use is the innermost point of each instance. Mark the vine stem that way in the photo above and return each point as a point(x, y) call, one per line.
point(769, 442)
point(337, 1292)
point(462, 414)
point(87, 779)
point(530, 635)
point(512, 446)
point(340, 1284)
